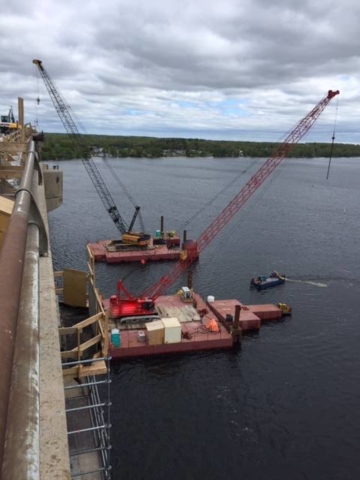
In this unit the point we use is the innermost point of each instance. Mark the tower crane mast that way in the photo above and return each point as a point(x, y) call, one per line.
point(70, 126)
point(240, 199)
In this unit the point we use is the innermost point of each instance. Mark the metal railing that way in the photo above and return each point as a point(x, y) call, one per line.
point(25, 240)
point(88, 408)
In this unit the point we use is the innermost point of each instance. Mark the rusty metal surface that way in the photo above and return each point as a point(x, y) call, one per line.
point(12, 257)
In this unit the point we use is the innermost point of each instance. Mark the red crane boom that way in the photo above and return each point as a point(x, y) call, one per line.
point(238, 201)
point(245, 193)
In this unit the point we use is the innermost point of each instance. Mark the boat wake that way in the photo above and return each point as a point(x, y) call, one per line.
point(308, 282)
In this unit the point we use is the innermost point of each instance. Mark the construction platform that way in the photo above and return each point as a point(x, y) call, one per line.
point(225, 309)
point(194, 319)
point(100, 251)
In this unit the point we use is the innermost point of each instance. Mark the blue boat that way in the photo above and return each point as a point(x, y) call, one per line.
point(263, 282)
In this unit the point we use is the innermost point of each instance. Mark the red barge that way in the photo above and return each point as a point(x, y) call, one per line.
point(166, 247)
point(102, 251)
point(196, 326)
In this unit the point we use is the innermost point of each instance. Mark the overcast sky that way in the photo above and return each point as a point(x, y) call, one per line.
point(229, 69)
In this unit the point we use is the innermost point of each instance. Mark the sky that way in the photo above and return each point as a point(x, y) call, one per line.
point(225, 70)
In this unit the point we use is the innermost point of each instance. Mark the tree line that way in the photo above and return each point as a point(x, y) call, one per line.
point(58, 146)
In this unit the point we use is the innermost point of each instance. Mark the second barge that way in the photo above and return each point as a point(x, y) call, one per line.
point(136, 247)
point(104, 252)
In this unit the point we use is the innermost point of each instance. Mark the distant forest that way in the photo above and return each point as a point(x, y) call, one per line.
point(58, 146)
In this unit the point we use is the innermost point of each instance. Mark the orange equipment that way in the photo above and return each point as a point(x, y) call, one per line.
point(212, 326)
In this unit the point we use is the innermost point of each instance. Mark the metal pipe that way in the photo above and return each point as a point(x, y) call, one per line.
point(69, 387)
point(162, 226)
point(83, 452)
point(190, 279)
point(12, 256)
point(236, 330)
point(76, 409)
point(108, 417)
point(80, 474)
point(102, 435)
point(21, 456)
point(91, 429)
point(89, 360)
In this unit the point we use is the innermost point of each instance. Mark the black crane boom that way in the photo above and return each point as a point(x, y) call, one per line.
point(70, 126)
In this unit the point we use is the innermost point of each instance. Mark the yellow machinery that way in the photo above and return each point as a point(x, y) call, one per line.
point(285, 308)
point(133, 238)
point(186, 294)
point(7, 122)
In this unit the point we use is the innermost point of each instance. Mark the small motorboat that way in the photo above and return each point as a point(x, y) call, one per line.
point(263, 282)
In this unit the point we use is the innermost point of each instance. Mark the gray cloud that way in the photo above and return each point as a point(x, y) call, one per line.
point(230, 69)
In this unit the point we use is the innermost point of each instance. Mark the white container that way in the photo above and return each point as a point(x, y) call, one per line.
point(210, 299)
point(172, 330)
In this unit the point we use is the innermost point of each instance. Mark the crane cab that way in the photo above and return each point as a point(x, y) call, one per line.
point(186, 294)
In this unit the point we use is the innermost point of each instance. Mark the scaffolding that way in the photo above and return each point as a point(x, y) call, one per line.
point(86, 374)
point(89, 423)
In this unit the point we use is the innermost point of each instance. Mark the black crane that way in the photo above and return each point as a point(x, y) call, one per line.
point(65, 116)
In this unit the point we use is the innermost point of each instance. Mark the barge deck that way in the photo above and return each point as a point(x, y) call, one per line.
point(150, 254)
point(194, 322)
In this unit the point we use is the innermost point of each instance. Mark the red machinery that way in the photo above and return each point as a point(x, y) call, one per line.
point(125, 305)
point(191, 251)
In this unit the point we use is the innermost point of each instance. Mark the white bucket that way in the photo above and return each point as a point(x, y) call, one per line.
point(210, 299)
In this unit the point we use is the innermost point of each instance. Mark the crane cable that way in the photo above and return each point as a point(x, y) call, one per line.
point(333, 139)
point(128, 194)
point(216, 196)
point(212, 200)
point(228, 233)
point(36, 76)
point(111, 169)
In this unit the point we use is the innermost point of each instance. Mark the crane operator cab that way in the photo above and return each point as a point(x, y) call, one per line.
point(186, 294)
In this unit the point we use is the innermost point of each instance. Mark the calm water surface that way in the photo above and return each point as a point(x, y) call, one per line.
point(286, 405)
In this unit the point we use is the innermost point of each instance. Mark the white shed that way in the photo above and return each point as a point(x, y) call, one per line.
point(172, 330)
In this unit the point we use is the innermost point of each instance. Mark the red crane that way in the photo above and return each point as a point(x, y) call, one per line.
point(125, 304)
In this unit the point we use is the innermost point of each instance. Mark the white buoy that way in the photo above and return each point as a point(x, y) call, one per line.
point(210, 299)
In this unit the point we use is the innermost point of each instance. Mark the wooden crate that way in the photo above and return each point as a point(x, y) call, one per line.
point(155, 332)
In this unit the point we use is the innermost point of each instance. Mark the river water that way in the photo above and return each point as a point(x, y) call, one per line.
point(286, 404)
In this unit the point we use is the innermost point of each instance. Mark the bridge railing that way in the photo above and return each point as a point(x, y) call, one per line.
point(24, 241)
